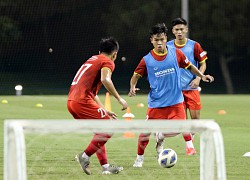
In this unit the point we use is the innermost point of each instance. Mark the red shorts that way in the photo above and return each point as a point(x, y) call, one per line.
point(192, 100)
point(86, 111)
point(171, 112)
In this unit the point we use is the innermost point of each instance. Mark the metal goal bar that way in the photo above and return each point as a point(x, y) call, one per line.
point(211, 141)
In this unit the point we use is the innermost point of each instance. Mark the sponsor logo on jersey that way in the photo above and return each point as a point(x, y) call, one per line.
point(164, 72)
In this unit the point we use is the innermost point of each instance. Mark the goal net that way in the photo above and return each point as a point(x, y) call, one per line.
point(211, 156)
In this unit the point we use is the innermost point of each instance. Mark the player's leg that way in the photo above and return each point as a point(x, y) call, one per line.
point(80, 158)
point(164, 113)
point(102, 155)
point(177, 112)
point(194, 114)
point(159, 136)
point(193, 103)
point(70, 106)
point(190, 150)
point(93, 111)
point(79, 112)
point(143, 141)
point(97, 145)
point(107, 168)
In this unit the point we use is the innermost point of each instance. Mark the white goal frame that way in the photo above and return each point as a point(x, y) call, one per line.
point(211, 141)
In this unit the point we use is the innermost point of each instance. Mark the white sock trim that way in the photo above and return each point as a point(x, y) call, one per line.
point(140, 156)
point(84, 155)
point(189, 144)
point(105, 165)
point(161, 136)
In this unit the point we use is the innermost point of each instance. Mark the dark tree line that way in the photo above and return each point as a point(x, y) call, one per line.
point(73, 28)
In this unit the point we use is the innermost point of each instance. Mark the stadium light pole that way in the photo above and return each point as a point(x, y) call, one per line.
point(184, 11)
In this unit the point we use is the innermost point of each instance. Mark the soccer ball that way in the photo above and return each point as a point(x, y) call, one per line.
point(167, 158)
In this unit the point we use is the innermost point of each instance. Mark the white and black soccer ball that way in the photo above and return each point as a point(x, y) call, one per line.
point(167, 158)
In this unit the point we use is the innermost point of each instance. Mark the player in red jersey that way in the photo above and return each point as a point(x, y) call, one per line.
point(165, 100)
point(83, 102)
point(197, 56)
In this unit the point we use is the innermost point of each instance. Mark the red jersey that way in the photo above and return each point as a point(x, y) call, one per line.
point(87, 80)
point(182, 62)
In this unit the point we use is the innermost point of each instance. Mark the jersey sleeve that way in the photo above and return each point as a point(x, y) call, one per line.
point(108, 64)
point(141, 69)
point(199, 54)
point(183, 61)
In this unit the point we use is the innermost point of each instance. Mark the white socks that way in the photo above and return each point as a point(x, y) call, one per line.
point(140, 156)
point(105, 166)
point(189, 144)
point(161, 136)
point(84, 155)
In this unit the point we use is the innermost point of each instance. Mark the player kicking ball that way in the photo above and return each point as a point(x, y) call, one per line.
point(165, 99)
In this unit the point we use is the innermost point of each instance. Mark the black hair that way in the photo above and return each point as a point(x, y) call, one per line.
point(108, 45)
point(158, 29)
point(179, 20)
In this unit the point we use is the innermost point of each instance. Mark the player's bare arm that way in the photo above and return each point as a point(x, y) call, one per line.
point(133, 83)
point(195, 71)
point(98, 101)
point(196, 82)
point(110, 113)
point(108, 84)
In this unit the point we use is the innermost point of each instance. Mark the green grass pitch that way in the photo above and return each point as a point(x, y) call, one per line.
point(52, 156)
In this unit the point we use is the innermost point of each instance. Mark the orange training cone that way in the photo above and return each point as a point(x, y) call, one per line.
point(107, 102)
point(128, 117)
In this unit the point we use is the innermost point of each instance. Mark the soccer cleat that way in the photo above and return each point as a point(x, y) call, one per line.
point(190, 151)
point(84, 163)
point(138, 162)
point(159, 143)
point(112, 169)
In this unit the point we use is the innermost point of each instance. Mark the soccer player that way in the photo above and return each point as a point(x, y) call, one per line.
point(83, 102)
point(165, 100)
point(194, 52)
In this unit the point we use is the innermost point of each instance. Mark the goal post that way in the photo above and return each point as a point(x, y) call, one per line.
point(14, 151)
point(212, 155)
